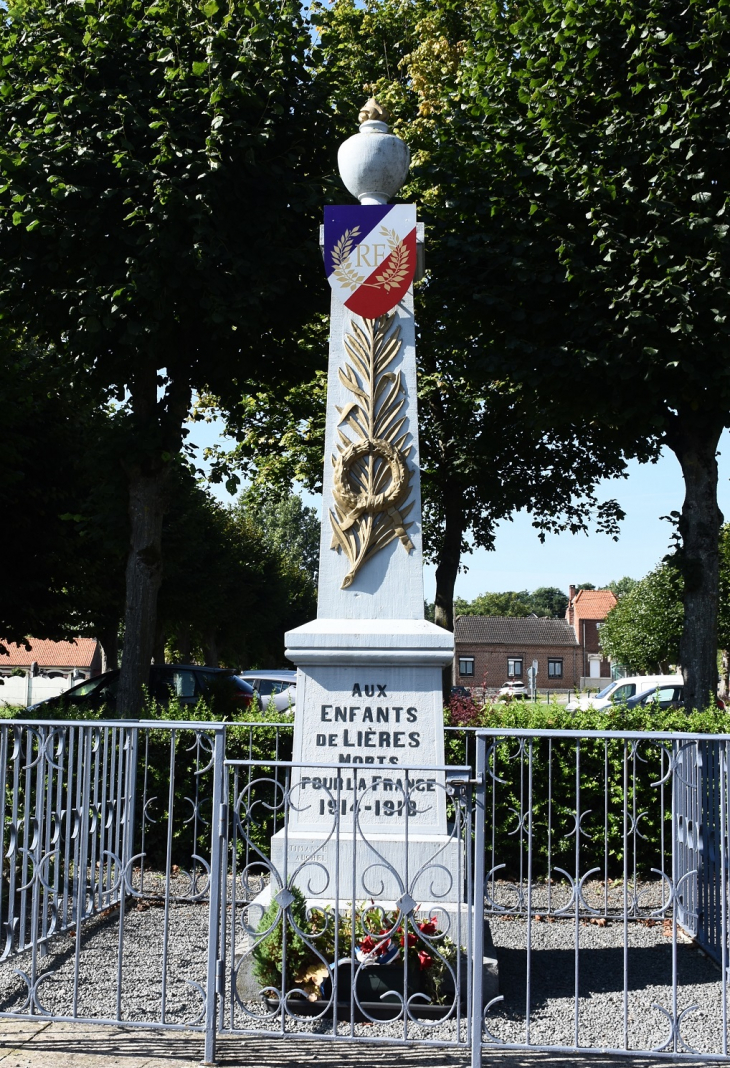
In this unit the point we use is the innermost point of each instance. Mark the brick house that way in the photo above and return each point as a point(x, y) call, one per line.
point(587, 609)
point(491, 650)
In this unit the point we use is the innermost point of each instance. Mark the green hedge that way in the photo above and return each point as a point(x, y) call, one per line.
point(601, 778)
point(191, 782)
point(242, 743)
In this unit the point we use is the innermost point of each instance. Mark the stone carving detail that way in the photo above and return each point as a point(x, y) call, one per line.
point(371, 111)
point(372, 479)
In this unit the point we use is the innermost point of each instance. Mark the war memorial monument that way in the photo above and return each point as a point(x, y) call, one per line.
point(369, 725)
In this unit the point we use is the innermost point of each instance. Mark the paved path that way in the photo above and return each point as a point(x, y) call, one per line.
point(58, 1045)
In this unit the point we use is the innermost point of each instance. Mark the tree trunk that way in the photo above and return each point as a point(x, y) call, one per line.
point(448, 567)
point(694, 443)
point(156, 436)
point(158, 649)
point(446, 571)
point(210, 650)
point(144, 575)
point(109, 642)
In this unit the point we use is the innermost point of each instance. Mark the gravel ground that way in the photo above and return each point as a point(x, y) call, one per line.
point(141, 960)
point(601, 985)
point(552, 999)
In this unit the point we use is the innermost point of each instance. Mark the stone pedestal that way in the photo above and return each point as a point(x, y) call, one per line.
point(374, 723)
point(345, 868)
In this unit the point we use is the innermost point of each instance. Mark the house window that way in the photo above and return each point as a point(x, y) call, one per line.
point(466, 665)
point(555, 668)
point(514, 668)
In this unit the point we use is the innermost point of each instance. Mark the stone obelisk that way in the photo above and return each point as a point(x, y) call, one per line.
point(369, 687)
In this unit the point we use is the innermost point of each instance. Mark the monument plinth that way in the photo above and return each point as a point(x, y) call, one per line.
point(369, 686)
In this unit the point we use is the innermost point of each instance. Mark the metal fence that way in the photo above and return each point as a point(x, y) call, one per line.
point(585, 852)
point(107, 850)
point(151, 877)
point(300, 934)
point(67, 797)
point(702, 816)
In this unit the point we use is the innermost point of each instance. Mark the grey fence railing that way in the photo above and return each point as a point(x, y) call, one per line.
point(67, 797)
point(305, 923)
point(139, 886)
point(107, 852)
point(592, 876)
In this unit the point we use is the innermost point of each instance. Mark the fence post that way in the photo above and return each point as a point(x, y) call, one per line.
point(219, 824)
point(478, 898)
point(132, 734)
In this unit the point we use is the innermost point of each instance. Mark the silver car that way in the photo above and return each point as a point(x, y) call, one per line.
point(277, 686)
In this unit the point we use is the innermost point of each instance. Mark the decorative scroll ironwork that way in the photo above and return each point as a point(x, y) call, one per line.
point(372, 478)
point(594, 853)
point(363, 919)
point(604, 832)
point(89, 874)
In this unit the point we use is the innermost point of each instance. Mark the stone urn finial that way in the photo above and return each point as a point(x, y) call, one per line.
point(374, 162)
point(371, 111)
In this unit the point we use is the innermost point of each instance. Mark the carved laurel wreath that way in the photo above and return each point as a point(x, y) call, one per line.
point(351, 279)
point(371, 473)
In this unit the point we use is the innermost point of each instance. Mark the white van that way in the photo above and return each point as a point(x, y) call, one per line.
point(621, 690)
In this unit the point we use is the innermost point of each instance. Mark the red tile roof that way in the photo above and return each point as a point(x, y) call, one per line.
point(77, 653)
point(593, 604)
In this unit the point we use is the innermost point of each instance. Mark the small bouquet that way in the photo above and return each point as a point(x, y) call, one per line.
point(387, 946)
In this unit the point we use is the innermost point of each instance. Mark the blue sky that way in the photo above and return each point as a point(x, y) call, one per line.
point(520, 561)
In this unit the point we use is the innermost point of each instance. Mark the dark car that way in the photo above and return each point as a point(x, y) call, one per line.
point(460, 691)
point(663, 697)
point(220, 687)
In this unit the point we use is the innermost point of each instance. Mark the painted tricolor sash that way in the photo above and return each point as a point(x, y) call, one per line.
point(370, 255)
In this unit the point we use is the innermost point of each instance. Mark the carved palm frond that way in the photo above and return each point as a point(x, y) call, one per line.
point(371, 474)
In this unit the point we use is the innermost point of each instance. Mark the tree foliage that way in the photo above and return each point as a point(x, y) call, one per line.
point(620, 587)
point(588, 147)
point(643, 630)
point(494, 604)
point(64, 532)
point(289, 527)
point(546, 601)
point(228, 592)
point(158, 172)
point(549, 601)
point(489, 446)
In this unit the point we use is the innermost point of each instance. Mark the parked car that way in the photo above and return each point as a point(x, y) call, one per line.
point(622, 690)
point(277, 686)
point(664, 696)
point(460, 691)
point(221, 687)
point(513, 691)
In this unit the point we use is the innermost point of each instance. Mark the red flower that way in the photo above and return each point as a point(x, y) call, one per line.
point(428, 927)
point(369, 945)
point(425, 959)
